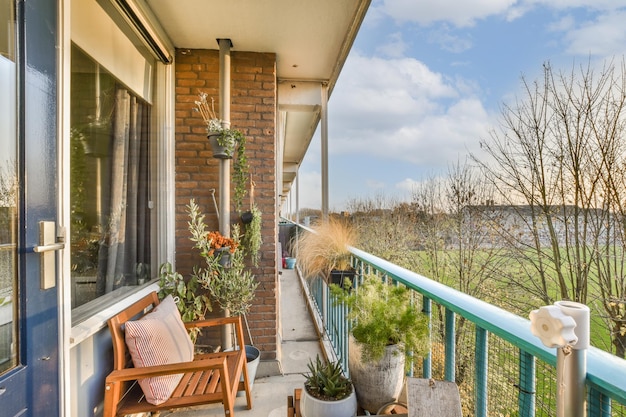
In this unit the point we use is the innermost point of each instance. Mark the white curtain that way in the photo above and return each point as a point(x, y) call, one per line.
point(124, 254)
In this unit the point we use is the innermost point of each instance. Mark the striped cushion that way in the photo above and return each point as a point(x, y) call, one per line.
point(159, 338)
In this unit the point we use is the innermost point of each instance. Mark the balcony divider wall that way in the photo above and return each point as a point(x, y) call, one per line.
point(253, 112)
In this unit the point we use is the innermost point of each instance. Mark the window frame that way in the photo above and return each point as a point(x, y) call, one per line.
point(84, 321)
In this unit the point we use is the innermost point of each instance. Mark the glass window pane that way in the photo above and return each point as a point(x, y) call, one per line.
point(109, 183)
point(8, 188)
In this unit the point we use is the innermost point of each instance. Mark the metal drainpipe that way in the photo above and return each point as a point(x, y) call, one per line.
point(224, 164)
point(324, 150)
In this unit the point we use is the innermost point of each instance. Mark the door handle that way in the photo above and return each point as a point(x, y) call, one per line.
point(47, 248)
point(47, 245)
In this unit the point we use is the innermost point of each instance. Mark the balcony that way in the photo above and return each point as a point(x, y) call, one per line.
point(508, 371)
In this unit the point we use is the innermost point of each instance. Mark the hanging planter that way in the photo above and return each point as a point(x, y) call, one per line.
point(219, 151)
point(223, 256)
point(226, 143)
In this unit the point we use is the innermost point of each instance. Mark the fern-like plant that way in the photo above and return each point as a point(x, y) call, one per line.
point(383, 314)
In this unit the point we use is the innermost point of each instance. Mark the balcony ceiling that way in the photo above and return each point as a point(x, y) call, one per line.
point(311, 40)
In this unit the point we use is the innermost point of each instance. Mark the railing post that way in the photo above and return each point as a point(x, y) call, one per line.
point(427, 367)
point(450, 347)
point(482, 365)
point(526, 402)
point(324, 306)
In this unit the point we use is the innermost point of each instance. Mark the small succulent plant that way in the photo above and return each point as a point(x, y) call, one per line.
point(326, 381)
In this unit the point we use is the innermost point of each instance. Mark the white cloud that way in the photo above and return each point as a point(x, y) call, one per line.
point(395, 47)
point(407, 184)
point(570, 4)
point(400, 110)
point(448, 41)
point(563, 24)
point(604, 36)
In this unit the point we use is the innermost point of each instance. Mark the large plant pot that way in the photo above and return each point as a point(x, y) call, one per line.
point(376, 384)
point(253, 357)
point(312, 407)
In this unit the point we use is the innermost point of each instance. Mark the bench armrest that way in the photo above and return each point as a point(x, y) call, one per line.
point(131, 374)
point(218, 321)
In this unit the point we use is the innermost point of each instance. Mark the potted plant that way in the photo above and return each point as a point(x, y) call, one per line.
point(230, 285)
point(325, 251)
point(226, 143)
point(252, 239)
point(192, 303)
point(386, 328)
point(327, 392)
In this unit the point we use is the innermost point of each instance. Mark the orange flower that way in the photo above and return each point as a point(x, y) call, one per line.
point(218, 241)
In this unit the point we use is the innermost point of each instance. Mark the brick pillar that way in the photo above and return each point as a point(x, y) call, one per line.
point(253, 112)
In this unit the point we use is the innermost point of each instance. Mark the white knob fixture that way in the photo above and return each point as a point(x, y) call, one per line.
point(553, 327)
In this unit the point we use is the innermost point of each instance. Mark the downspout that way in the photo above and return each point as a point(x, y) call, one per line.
point(324, 149)
point(224, 164)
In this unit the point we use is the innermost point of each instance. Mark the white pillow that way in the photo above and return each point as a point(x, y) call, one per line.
point(159, 338)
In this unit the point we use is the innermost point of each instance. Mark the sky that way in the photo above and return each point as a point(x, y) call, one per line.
point(426, 80)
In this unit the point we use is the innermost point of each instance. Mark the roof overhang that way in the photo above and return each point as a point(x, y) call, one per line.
point(311, 40)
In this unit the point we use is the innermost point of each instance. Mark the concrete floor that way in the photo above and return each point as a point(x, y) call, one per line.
point(276, 381)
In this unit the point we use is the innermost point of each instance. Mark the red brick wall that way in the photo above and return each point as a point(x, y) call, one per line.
point(253, 111)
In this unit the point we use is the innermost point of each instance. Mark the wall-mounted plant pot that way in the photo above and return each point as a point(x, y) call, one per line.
point(246, 217)
point(219, 151)
point(224, 256)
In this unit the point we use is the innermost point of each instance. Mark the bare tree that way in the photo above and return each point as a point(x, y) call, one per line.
point(432, 227)
point(384, 227)
point(473, 248)
point(558, 162)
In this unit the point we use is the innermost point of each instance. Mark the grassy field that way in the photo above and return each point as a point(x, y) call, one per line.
point(505, 285)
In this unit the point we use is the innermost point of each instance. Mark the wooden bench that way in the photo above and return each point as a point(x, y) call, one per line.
point(209, 378)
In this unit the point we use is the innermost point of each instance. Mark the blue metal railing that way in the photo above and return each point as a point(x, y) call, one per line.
point(512, 372)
